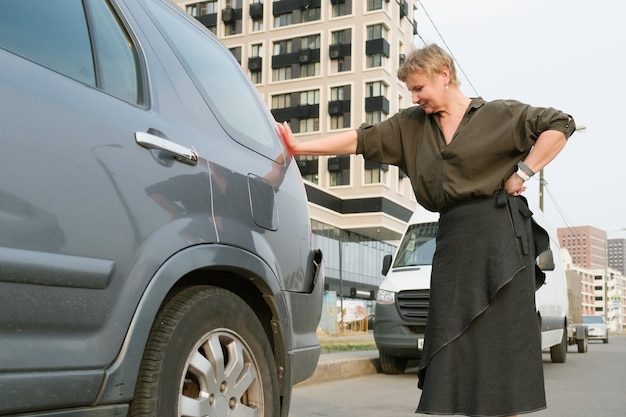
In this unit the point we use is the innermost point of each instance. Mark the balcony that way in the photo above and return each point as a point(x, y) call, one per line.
point(377, 46)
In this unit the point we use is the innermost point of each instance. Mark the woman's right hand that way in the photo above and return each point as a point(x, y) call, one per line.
point(287, 136)
point(514, 185)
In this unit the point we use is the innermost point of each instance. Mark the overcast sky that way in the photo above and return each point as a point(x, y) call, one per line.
point(567, 54)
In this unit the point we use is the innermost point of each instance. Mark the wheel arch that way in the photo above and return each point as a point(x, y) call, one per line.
point(231, 268)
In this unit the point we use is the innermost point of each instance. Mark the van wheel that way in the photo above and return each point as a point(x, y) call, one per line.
point(392, 365)
point(207, 355)
point(558, 353)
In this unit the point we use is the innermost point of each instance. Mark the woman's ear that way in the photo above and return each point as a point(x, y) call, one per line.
point(445, 75)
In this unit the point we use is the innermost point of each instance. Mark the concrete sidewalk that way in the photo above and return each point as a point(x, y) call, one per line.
point(343, 365)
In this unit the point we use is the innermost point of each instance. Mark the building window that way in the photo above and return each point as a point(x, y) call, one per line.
point(236, 51)
point(281, 74)
point(281, 101)
point(289, 12)
point(377, 58)
point(309, 167)
point(338, 93)
point(340, 98)
point(256, 13)
point(374, 173)
point(310, 69)
point(206, 13)
point(283, 47)
point(202, 8)
point(375, 89)
point(296, 58)
point(311, 14)
point(374, 5)
point(341, 41)
point(339, 122)
point(343, 8)
point(231, 16)
point(309, 97)
point(255, 63)
point(374, 117)
point(285, 19)
point(311, 123)
point(339, 170)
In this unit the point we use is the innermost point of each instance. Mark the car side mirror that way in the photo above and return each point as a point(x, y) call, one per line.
point(545, 261)
point(386, 264)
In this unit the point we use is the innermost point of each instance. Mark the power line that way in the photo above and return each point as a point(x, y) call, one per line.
point(458, 64)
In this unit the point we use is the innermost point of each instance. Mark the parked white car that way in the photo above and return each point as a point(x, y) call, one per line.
point(597, 328)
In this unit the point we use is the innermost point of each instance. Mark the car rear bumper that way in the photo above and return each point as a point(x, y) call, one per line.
point(306, 310)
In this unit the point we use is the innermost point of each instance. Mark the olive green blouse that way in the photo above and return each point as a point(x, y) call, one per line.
point(490, 140)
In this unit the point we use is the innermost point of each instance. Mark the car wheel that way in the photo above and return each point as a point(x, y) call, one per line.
point(392, 365)
point(558, 353)
point(606, 339)
point(207, 355)
point(583, 345)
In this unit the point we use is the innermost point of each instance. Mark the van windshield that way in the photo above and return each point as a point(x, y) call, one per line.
point(417, 246)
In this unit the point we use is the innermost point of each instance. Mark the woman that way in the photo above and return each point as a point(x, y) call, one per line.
point(468, 159)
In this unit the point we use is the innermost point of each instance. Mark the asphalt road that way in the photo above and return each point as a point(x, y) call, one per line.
point(587, 385)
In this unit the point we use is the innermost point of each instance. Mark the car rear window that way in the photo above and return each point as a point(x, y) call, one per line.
point(220, 80)
point(592, 320)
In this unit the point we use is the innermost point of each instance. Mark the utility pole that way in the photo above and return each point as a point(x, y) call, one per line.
point(578, 129)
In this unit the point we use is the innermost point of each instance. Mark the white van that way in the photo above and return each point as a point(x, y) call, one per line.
point(402, 301)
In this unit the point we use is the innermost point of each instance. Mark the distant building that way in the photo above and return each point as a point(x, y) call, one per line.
point(617, 253)
point(586, 245)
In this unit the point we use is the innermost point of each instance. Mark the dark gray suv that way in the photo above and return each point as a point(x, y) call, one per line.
point(155, 241)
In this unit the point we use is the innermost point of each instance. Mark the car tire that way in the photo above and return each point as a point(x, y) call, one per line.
point(606, 340)
point(392, 365)
point(558, 353)
point(207, 354)
point(583, 345)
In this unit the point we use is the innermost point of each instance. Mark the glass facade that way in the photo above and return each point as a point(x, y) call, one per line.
point(359, 259)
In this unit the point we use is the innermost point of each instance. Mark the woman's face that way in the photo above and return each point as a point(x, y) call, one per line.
point(427, 92)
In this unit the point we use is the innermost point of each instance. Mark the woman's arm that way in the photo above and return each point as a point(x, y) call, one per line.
point(343, 143)
point(546, 148)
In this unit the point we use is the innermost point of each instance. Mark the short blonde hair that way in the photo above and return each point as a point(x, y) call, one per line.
point(430, 60)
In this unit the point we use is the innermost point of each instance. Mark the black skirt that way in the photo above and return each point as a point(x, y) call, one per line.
point(482, 346)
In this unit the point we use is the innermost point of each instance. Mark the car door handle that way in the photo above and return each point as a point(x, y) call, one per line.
point(180, 153)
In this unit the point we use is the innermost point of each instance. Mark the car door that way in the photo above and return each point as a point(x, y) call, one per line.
point(91, 125)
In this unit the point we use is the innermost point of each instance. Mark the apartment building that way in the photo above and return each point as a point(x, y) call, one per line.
point(326, 66)
point(592, 255)
point(586, 245)
point(617, 254)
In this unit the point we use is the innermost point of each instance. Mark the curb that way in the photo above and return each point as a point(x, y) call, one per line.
point(338, 366)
